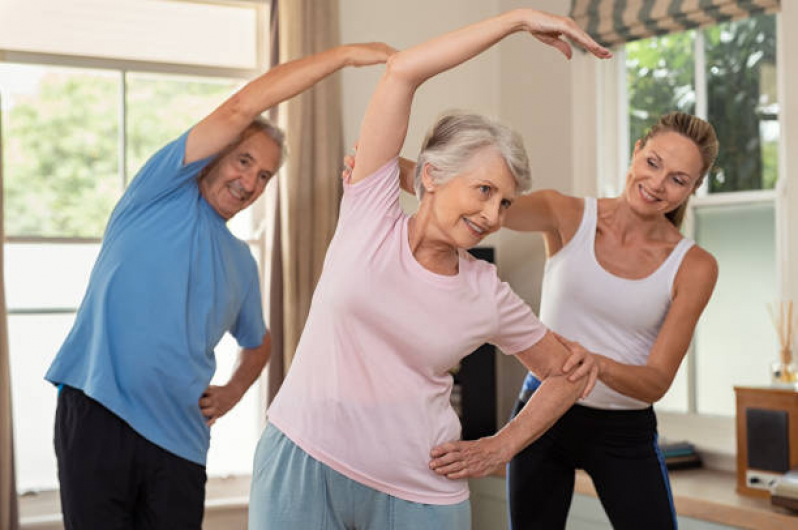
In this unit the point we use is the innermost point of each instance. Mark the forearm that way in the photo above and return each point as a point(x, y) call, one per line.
point(644, 383)
point(286, 80)
point(430, 58)
point(251, 362)
point(549, 402)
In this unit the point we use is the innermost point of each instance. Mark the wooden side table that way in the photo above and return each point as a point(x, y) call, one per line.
point(769, 399)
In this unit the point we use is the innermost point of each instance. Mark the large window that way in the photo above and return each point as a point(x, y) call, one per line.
point(75, 130)
point(727, 74)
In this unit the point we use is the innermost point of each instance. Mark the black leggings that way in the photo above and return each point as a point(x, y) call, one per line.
point(618, 449)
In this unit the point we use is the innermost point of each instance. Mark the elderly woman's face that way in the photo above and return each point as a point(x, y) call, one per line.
point(473, 204)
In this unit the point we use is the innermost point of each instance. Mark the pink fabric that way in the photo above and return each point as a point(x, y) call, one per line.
point(368, 390)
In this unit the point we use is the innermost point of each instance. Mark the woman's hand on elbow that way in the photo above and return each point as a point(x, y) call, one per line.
point(581, 363)
point(465, 459)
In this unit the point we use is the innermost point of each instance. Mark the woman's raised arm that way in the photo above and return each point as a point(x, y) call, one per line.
point(385, 124)
point(223, 125)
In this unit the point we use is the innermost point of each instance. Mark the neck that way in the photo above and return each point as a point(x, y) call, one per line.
point(630, 224)
point(427, 245)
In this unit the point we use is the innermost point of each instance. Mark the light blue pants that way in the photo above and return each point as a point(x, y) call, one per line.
point(292, 490)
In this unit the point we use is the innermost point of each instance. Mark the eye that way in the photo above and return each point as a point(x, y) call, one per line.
point(681, 181)
point(243, 161)
point(652, 162)
point(506, 204)
point(264, 175)
point(484, 189)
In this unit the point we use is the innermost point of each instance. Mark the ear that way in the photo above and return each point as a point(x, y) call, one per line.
point(638, 146)
point(427, 180)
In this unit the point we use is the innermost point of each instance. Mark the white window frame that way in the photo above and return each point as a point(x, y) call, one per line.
point(260, 210)
point(713, 435)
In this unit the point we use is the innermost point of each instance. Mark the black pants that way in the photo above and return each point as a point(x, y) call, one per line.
point(618, 449)
point(112, 478)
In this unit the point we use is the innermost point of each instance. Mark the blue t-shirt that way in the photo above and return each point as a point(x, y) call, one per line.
point(170, 280)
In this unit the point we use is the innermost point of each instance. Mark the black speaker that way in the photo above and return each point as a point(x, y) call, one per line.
point(474, 392)
point(768, 439)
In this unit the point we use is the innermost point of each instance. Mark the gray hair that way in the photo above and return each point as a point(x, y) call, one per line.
point(456, 137)
point(259, 124)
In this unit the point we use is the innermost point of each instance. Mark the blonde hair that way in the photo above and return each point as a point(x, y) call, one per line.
point(456, 137)
point(702, 135)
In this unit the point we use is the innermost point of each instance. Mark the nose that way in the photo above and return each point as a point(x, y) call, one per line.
point(658, 181)
point(248, 180)
point(492, 215)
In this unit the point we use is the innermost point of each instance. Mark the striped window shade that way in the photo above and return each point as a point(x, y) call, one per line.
point(613, 22)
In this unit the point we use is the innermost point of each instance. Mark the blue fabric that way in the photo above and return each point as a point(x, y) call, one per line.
point(170, 280)
point(291, 489)
point(531, 383)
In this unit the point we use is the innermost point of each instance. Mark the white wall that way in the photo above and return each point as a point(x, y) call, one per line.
point(523, 83)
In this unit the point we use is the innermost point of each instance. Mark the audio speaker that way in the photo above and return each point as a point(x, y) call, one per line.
point(768, 439)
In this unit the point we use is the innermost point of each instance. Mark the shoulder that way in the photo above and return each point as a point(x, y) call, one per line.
point(698, 272)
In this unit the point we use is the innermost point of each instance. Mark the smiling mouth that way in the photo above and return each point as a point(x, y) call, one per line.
point(646, 195)
point(477, 230)
point(238, 192)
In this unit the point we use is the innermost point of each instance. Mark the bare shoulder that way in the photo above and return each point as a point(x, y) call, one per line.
point(698, 272)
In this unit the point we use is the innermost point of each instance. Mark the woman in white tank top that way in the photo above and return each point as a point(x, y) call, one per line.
point(622, 282)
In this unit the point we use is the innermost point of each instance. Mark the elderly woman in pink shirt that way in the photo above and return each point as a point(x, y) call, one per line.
point(398, 304)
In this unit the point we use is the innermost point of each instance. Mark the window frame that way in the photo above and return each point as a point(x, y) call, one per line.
point(261, 212)
point(714, 435)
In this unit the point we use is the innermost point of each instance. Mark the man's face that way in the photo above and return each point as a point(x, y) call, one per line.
point(241, 175)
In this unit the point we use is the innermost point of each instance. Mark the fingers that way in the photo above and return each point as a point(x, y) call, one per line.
point(583, 368)
point(591, 382)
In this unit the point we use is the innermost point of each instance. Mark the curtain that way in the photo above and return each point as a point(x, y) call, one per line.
point(613, 22)
point(9, 516)
point(310, 184)
point(276, 362)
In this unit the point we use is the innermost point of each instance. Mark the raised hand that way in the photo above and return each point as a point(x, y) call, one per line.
point(549, 29)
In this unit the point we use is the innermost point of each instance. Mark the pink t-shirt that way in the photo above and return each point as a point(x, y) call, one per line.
point(368, 390)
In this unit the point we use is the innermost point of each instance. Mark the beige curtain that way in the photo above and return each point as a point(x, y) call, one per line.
point(9, 517)
point(310, 187)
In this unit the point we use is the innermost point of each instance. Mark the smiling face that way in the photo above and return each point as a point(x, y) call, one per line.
point(664, 172)
point(474, 203)
point(239, 178)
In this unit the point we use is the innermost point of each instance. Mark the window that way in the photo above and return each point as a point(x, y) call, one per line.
point(727, 74)
point(76, 128)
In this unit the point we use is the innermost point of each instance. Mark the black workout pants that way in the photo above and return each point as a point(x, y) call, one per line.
point(618, 449)
point(113, 479)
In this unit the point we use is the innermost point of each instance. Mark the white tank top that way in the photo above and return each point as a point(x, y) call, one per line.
point(616, 317)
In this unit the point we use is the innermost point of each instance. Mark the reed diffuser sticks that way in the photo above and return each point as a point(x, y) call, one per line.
point(786, 325)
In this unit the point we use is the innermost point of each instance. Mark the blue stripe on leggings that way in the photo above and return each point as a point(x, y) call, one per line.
point(664, 471)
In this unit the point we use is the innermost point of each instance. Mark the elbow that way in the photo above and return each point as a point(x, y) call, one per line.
point(399, 69)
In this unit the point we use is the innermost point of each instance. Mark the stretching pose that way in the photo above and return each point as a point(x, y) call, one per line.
point(135, 405)
point(622, 281)
point(399, 303)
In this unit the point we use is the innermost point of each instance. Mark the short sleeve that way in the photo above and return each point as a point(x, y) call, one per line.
point(249, 327)
point(374, 197)
point(518, 327)
point(162, 173)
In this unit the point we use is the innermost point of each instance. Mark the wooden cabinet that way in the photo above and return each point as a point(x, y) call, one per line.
point(781, 439)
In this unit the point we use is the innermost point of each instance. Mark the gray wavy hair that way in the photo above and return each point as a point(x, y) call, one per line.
point(457, 136)
point(259, 124)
